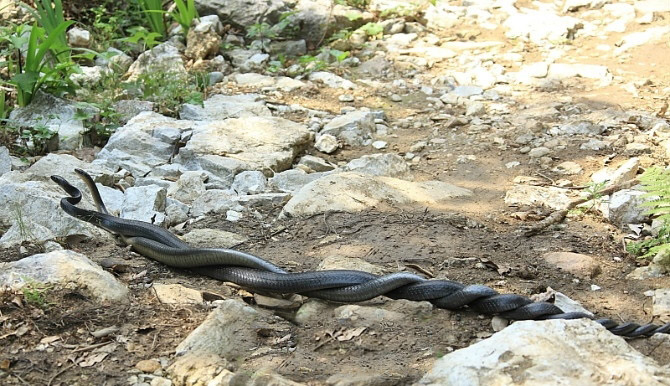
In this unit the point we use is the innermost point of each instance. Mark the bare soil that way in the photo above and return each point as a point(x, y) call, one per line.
point(481, 228)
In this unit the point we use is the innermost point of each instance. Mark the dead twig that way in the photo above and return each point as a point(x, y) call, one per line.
point(558, 216)
point(59, 373)
point(420, 269)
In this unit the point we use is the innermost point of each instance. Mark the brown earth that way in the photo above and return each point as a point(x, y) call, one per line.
point(481, 228)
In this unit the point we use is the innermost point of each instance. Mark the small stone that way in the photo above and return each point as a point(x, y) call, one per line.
point(396, 98)
point(512, 164)
point(595, 287)
point(637, 148)
point(213, 238)
point(581, 265)
point(346, 98)
point(661, 304)
point(249, 182)
point(379, 145)
point(233, 216)
point(316, 164)
point(148, 365)
point(475, 109)
point(78, 37)
point(177, 294)
point(498, 323)
point(326, 143)
point(275, 303)
point(568, 167)
point(539, 152)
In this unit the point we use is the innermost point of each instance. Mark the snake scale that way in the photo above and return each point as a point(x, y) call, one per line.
point(258, 274)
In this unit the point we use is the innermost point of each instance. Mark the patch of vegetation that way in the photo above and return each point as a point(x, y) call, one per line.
point(373, 30)
point(361, 4)
point(168, 90)
point(35, 293)
point(184, 13)
point(656, 182)
point(153, 16)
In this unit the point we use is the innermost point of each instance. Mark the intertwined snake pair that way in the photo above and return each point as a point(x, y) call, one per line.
point(336, 285)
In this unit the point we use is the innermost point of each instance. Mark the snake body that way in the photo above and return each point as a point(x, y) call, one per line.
point(258, 274)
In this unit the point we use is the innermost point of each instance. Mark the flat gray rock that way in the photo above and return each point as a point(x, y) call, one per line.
point(231, 331)
point(146, 141)
point(259, 143)
point(33, 213)
point(354, 192)
point(556, 352)
point(390, 165)
point(220, 106)
point(164, 57)
point(64, 268)
point(56, 114)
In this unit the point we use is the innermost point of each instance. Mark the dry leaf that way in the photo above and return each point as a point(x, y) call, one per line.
point(4, 364)
point(92, 359)
point(351, 333)
point(50, 339)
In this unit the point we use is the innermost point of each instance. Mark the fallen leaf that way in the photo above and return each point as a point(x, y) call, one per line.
point(50, 339)
point(351, 333)
point(4, 364)
point(92, 359)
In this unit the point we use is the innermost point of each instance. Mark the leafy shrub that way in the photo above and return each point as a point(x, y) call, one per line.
point(656, 182)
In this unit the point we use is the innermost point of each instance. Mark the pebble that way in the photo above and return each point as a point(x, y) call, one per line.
point(346, 98)
point(379, 145)
point(148, 365)
point(396, 98)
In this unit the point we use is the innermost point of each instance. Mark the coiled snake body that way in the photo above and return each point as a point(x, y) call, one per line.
point(257, 274)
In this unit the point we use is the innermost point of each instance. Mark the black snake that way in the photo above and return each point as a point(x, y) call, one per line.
point(336, 285)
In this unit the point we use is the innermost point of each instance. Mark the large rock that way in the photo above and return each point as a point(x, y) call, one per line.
point(625, 207)
point(242, 13)
point(353, 128)
point(541, 27)
point(292, 180)
point(354, 192)
point(5, 161)
point(64, 269)
point(164, 58)
point(146, 141)
point(232, 330)
point(32, 213)
point(626, 171)
point(556, 352)
point(220, 106)
point(260, 143)
point(145, 203)
point(390, 165)
point(56, 114)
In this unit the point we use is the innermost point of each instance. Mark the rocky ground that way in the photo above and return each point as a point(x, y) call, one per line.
point(428, 150)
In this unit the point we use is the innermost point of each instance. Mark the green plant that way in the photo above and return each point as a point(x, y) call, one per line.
point(50, 16)
point(35, 293)
point(285, 27)
point(312, 63)
point(4, 107)
point(405, 10)
point(656, 182)
point(167, 90)
point(184, 13)
point(343, 34)
point(142, 36)
point(35, 140)
point(261, 31)
point(373, 29)
point(35, 72)
point(354, 3)
point(153, 14)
